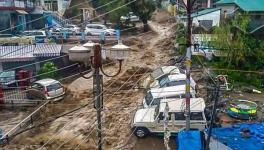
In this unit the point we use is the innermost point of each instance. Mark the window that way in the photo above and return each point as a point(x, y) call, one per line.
point(196, 116)
point(179, 116)
point(163, 81)
point(156, 101)
point(161, 116)
point(37, 86)
point(99, 27)
point(148, 98)
point(176, 83)
point(54, 87)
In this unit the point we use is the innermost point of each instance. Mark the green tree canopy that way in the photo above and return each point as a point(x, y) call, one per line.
point(48, 70)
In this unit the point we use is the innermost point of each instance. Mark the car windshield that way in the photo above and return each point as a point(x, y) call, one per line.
point(148, 98)
point(53, 87)
point(163, 81)
point(7, 74)
point(196, 116)
point(156, 112)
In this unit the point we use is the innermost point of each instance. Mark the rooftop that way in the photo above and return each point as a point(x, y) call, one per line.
point(246, 5)
point(176, 105)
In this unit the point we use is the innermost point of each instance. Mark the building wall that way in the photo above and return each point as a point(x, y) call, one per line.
point(214, 16)
point(5, 20)
point(61, 5)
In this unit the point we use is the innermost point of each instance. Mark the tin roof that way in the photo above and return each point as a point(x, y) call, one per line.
point(28, 52)
point(246, 5)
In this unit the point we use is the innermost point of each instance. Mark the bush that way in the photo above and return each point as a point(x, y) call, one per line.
point(48, 70)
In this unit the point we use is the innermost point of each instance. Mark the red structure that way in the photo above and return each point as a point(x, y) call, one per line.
point(24, 78)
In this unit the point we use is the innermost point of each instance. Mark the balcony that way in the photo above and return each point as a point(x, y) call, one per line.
point(29, 4)
point(12, 4)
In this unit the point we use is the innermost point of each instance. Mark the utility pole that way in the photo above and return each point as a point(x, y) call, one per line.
point(98, 88)
point(216, 97)
point(166, 130)
point(188, 64)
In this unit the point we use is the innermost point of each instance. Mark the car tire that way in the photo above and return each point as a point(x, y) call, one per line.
point(89, 34)
point(141, 132)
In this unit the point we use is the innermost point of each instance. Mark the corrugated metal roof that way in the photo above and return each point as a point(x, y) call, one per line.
point(28, 52)
point(16, 53)
point(202, 12)
point(47, 50)
point(246, 5)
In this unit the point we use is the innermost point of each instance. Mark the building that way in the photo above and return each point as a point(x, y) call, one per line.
point(14, 15)
point(254, 9)
point(58, 6)
point(206, 18)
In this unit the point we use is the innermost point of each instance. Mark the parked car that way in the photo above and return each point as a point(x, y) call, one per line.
point(39, 36)
point(159, 73)
point(97, 29)
point(172, 80)
point(71, 29)
point(151, 120)
point(131, 17)
point(9, 39)
point(8, 79)
point(154, 96)
point(46, 89)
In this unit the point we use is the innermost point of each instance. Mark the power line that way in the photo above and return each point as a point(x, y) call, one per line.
point(81, 23)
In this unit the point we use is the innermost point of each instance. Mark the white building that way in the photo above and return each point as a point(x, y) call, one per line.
point(206, 18)
point(58, 6)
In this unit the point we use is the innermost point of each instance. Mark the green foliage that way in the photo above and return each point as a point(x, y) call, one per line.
point(114, 16)
point(75, 11)
point(181, 37)
point(244, 51)
point(48, 70)
point(143, 9)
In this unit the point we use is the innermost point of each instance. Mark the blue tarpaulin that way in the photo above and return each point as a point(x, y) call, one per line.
point(189, 140)
point(241, 136)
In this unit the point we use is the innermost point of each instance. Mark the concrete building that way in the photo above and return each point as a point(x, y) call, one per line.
point(58, 6)
point(14, 14)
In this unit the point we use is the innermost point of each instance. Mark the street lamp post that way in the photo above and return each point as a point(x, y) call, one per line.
point(118, 52)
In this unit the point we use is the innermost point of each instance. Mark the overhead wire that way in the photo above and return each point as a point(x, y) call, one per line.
point(80, 23)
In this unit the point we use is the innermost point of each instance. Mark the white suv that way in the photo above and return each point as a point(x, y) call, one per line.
point(97, 29)
point(151, 120)
point(46, 89)
point(154, 96)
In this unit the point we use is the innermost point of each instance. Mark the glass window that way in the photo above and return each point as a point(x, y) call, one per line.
point(54, 87)
point(179, 116)
point(148, 98)
point(163, 81)
point(37, 86)
point(99, 27)
point(176, 83)
point(156, 101)
point(196, 116)
point(161, 116)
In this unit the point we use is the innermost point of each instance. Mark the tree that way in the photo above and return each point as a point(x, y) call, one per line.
point(119, 8)
point(48, 70)
point(143, 9)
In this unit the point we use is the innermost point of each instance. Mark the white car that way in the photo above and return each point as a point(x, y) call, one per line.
point(151, 120)
point(172, 80)
point(154, 96)
point(39, 36)
point(131, 16)
point(46, 89)
point(71, 28)
point(98, 29)
point(159, 73)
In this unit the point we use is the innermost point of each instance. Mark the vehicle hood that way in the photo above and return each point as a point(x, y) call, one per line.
point(110, 30)
point(144, 115)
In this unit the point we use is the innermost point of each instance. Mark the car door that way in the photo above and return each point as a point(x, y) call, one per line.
point(36, 91)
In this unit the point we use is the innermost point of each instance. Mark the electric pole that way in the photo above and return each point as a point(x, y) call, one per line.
point(98, 88)
point(188, 64)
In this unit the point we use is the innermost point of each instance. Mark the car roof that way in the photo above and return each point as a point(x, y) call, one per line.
point(46, 82)
point(176, 77)
point(168, 91)
point(168, 69)
point(161, 71)
point(176, 105)
point(95, 25)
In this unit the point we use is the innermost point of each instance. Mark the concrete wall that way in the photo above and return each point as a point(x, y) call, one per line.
point(230, 9)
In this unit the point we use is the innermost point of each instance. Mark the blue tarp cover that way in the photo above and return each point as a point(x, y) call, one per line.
point(189, 140)
point(251, 139)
